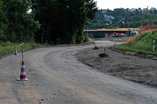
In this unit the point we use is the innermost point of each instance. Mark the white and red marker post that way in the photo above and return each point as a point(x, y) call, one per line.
point(23, 74)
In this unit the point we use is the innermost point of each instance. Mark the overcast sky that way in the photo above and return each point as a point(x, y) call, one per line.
point(111, 4)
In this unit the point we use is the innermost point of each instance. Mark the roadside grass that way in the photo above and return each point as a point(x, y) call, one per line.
point(7, 48)
point(143, 44)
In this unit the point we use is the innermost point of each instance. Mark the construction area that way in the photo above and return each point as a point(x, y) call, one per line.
point(127, 65)
point(77, 75)
point(105, 33)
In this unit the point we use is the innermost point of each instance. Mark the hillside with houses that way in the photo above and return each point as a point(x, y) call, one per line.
point(120, 17)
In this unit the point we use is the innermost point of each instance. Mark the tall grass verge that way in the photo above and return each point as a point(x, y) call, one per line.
point(7, 48)
point(142, 44)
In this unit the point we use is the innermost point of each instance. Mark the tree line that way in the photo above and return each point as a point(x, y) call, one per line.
point(120, 17)
point(45, 21)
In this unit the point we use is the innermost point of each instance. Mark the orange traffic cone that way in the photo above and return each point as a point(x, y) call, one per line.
point(23, 76)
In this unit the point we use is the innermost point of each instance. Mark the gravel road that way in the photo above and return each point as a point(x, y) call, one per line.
point(57, 77)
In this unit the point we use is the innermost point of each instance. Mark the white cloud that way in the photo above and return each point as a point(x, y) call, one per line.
point(111, 4)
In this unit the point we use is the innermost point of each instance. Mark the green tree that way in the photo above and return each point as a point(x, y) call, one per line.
point(45, 13)
point(20, 22)
point(2, 20)
point(63, 20)
point(126, 17)
point(76, 14)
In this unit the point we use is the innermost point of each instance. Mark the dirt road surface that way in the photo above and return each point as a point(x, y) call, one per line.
point(57, 77)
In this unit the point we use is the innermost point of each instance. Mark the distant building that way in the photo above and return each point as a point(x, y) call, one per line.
point(132, 9)
point(153, 9)
point(109, 17)
point(107, 33)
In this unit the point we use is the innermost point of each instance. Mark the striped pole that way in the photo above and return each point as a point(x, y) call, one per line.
point(23, 75)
